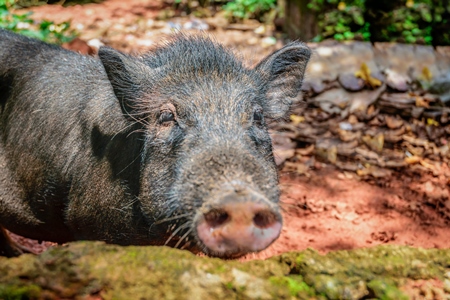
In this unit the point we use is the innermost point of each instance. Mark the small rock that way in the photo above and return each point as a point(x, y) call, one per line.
point(253, 41)
point(350, 82)
point(252, 287)
point(261, 30)
point(397, 81)
point(313, 85)
point(144, 43)
point(174, 26)
point(441, 87)
point(196, 24)
point(339, 99)
point(345, 126)
point(268, 41)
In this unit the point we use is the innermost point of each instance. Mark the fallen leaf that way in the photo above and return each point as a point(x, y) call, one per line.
point(416, 151)
point(364, 74)
point(393, 122)
point(412, 159)
point(347, 136)
point(375, 143)
point(374, 172)
point(327, 154)
point(347, 148)
point(427, 164)
point(421, 102)
point(305, 151)
point(281, 155)
point(416, 141)
point(426, 74)
point(367, 154)
point(352, 119)
point(432, 122)
point(297, 119)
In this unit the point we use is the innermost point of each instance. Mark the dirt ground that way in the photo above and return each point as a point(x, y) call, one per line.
point(324, 209)
point(331, 210)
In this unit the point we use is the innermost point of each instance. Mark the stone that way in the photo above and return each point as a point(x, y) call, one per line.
point(362, 100)
point(417, 62)
point(441, 87)
point(397, 81)
point(350, 82)
point(330, 58)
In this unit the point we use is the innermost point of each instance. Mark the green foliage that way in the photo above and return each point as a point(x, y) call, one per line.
point(341, 20)
point(246, 9)
point(408, 21)
point(46, 30)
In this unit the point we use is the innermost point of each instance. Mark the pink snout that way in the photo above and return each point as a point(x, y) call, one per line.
point(235, 228)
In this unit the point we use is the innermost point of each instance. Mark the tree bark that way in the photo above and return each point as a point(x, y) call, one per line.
point(301, 22)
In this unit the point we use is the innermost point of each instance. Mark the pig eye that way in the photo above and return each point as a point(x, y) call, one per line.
point(257, 116)
point(166, 117)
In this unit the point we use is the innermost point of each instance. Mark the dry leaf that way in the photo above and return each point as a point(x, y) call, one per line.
point(426, 74)
point(416, 151)
point(352, 119)
point(364, 74)
point(305, 151)
point(416, 141)
point(374, 171)
point(297, 119)
point(281, 155)
point(328, 154)
point(375, 143)
point(347, 136)
point(393, 122)
point(367, 154)
point(421, 102)
point(432, 122)
point(427, 164)
point(412, 160)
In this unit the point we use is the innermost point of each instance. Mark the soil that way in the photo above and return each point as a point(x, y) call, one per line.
point(324, 208)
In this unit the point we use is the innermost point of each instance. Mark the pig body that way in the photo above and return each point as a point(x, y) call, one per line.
point(167, 148)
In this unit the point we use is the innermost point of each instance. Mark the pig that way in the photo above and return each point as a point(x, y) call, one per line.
point(167, 148)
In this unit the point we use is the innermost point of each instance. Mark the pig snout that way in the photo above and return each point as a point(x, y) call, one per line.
point(238, 223)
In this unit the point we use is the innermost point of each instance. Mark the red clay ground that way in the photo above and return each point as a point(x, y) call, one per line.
point(331, 210)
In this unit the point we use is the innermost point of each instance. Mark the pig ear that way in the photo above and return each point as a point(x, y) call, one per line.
point(283, 73)
point(128, 76)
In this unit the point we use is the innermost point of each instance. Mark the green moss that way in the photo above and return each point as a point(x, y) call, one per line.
point(14, 292)
point(385, 291)
point(294, 284)
point(113, 272)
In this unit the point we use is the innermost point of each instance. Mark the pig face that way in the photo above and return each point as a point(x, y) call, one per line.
point(208, 177)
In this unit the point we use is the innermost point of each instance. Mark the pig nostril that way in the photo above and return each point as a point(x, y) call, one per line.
point(216, 217)
point(264, 219)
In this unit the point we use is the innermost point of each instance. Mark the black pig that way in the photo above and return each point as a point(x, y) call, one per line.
point(168, 148)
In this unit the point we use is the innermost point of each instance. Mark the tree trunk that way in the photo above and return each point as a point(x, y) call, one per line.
point(301, 22)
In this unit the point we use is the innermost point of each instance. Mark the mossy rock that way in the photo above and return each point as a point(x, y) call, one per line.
point(93, 270)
